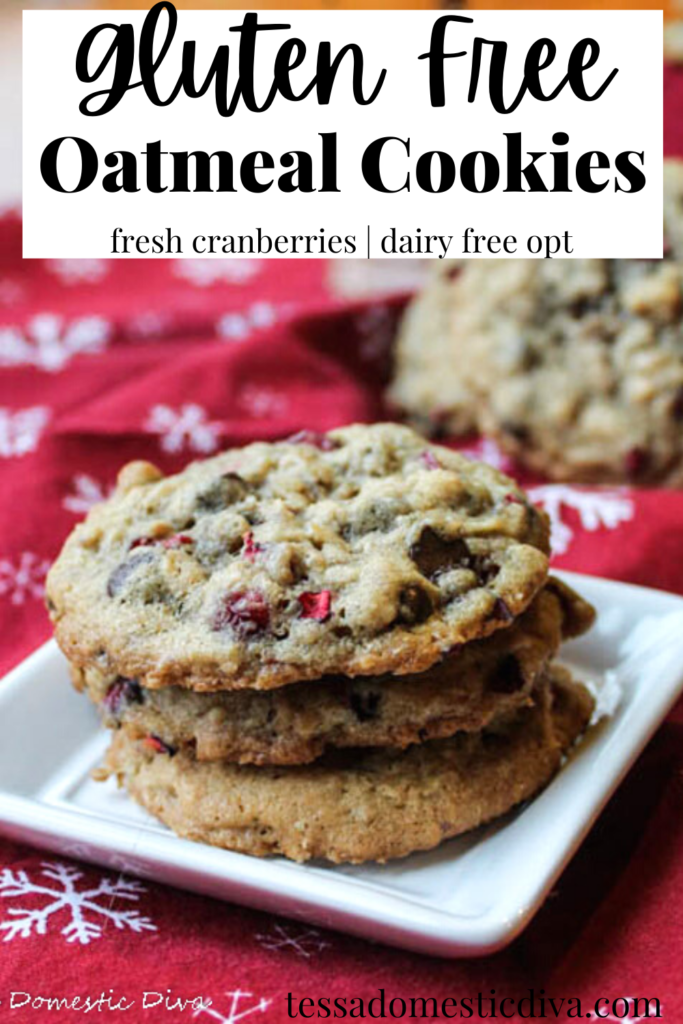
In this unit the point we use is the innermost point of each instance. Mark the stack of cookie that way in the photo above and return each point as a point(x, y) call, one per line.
point(334, 646)
point(574, 366)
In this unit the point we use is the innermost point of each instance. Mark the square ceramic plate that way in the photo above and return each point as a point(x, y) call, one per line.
point(469, 897)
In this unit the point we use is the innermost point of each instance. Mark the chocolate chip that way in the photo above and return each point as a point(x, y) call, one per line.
point(365, 705)
point(507, 676)
point(414, 605)
point(516, 430)
point(226, 490)
point(122, 573)
point(501, 611)
point(677, 405)
point(433, 554)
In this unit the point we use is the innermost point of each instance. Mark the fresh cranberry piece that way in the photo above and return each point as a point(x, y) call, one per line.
point(123, 691)
point(312, 437)
point(178, 540)
point(246, 613)
point(513, 499)
point(315, 605)
point(636, 461)
point(251, 547)
point(156, 744)
point(143, 542)
point(429, 459)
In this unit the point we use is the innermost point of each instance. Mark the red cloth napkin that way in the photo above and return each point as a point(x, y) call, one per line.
point(101, 362)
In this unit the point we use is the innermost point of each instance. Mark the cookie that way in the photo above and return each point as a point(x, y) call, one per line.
point(574, 366)
point(358, 552)
point(427, 381)
point(359, 806)
point(673, 42)
point(579, 364)
point(295, 724)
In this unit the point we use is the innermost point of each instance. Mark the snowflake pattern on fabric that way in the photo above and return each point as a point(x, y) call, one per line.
point(78, 271)
point(21, 429)
point(262, 401)
point(204, 273)
point(81, 904)
point(596, 509)
point(238, 326)
point(49, 343)
point(241, 1006)
point(86, 493)
point(486, 450)
point(183, 429)
point(23, 578)
point(305, 942)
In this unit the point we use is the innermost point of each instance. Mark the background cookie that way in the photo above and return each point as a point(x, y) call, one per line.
point(352, 808)
point(358, 552)
point(575, 366)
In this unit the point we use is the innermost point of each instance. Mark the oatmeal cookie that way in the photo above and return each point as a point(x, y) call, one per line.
point(296, 724)
point(354, 807)
point(358, 552)
point(427, 381)
point(575, 366)
point(578, 364)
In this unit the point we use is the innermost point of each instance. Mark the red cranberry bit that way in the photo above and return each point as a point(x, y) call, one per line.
point(501, 611)
point(315, 605)
point(251, 547)
point(429, 459)
point(123, 691)
point(513, 499)
point(156, 744)
point(178, 540)
point(636, 462)
point(312, 437)
point(143, 542)
point(246, 613)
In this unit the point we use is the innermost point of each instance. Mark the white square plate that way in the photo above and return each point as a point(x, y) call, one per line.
point(469, 897)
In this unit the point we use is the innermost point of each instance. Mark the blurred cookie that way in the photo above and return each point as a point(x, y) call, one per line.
point(358, 806)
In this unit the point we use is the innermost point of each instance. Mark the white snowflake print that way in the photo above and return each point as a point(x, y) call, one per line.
point(81, 904)
point(648, 1006)
point(23, 579)
point(86, 493)
point(596, 509)
point(21, 430)
point(242, 1004)
point(305, 942)
point(486, 450)
point(262, 401)
point(48, 342)
point(238, 326)
point(186, 428)
point(83, 271)
point(204, 273)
